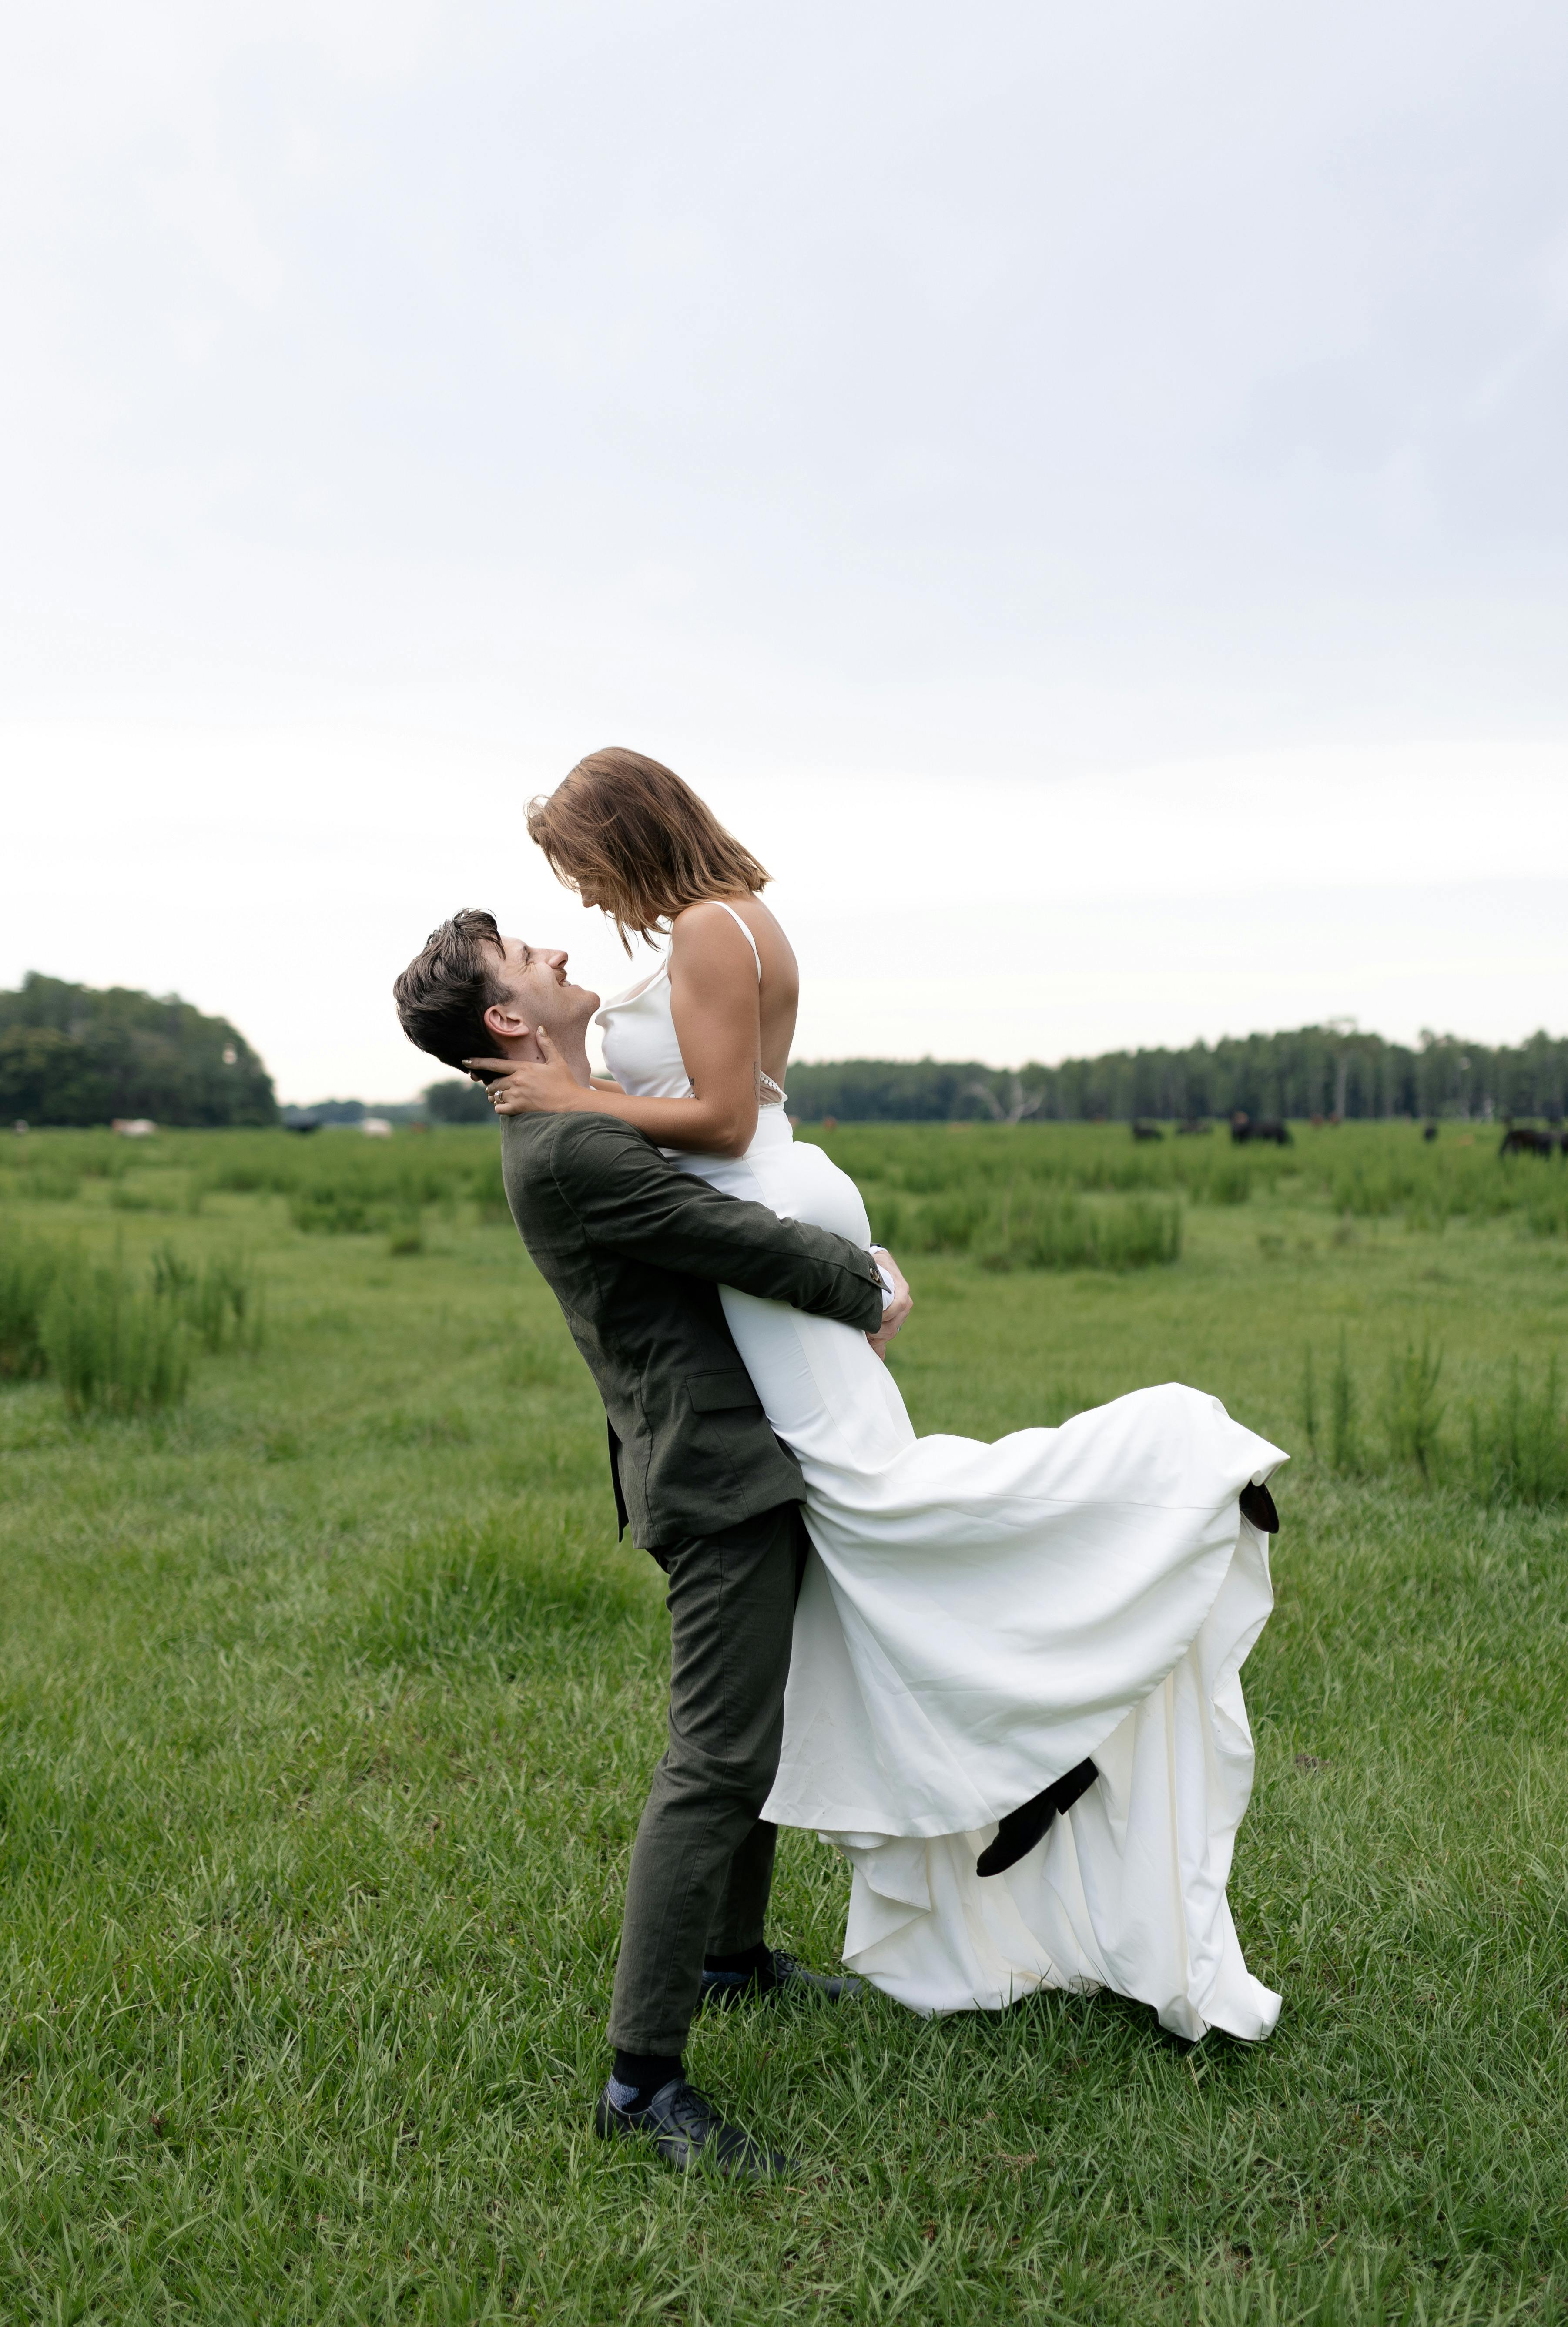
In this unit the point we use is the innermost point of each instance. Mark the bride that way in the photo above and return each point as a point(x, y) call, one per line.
point(1068, 1608)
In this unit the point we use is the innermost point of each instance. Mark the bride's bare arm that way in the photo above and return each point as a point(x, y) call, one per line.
point(714, 999)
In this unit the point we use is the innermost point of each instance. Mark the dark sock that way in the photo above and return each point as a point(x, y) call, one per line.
point(638, 2076)
point(1021, 1828)
point(756, 1958)
point(1258, 1506)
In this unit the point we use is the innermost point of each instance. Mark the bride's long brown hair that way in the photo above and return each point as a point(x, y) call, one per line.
point(628, 831)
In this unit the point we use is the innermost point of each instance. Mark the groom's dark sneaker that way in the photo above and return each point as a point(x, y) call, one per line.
point(769, 1971)
point(1258, 1506)
point(1021, 1828)
point(687, 2131)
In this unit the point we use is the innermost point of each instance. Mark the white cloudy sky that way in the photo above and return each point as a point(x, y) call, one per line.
point(1085, 491)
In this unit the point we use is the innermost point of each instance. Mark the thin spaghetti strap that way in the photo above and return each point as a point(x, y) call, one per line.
point(746, 933)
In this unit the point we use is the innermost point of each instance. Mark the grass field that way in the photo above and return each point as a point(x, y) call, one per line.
point(328, 1702)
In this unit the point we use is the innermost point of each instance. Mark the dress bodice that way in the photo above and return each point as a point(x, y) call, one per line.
point(640, 1048)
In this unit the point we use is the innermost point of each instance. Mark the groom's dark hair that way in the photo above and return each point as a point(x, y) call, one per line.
point(444, 993)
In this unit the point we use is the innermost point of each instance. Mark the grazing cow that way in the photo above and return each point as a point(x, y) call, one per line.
point(1431, 1132)
point(1267, 1127)
point(1147, 1131)
point(1520, 1140)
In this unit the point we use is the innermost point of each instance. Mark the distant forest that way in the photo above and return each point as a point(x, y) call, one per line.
point(1316, 1070)
point(79, 1054)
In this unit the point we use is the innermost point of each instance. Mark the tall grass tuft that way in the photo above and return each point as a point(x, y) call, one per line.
point(1547, 1213)
point(1518, 1446)
point(221, 1301)
point(488, 1190)
point(1344, 1415)
point(1223, 1181)
point(1411, 1414)
point(336, 1211)
point(27, 1271)
point(406, 1232)
point(1310, 1400)
point(951, 1223)
point(49, 1181)
point(113, 1348)
point(887, 1217)
point(1035, 1231)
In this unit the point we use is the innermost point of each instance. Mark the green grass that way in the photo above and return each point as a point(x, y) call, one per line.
point(327, 1704)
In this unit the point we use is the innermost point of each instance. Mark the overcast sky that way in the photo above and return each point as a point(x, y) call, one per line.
point(1084, 492)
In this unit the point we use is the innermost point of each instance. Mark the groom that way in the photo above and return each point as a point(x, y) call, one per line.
point(635, 1251)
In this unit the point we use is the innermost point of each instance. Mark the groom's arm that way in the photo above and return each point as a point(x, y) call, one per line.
point(630, 1197)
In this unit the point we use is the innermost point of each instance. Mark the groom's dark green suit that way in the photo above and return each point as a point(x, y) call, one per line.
point(635, 1250)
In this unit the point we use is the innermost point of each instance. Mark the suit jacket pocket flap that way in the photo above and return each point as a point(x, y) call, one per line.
point(716, 1393)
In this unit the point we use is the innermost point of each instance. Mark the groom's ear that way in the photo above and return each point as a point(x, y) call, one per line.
point(510, 1027)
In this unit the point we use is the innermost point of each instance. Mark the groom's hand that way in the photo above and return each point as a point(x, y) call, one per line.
point(523, 1087)
point(897, 1308)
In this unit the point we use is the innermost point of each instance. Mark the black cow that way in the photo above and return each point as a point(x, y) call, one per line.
point(1267, 1127)
point(1147, 1131)
point(1431, 1132)
point(1520, 1140)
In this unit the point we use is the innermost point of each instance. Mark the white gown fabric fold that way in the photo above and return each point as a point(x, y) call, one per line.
point(977, 1619)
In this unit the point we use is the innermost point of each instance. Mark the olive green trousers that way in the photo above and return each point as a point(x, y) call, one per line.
point(702, 1865)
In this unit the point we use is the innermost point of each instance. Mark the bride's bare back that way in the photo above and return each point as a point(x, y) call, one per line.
point(722, 1007)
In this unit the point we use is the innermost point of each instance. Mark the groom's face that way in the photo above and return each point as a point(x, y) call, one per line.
point(538, 991)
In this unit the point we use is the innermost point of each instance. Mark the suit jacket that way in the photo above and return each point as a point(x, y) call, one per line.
point(635, 1250)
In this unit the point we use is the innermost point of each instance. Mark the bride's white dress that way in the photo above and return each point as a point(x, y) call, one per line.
point(977, 1619)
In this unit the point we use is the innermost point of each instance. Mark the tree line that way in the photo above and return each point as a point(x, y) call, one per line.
point(1317, 1070)
point(79, 1054)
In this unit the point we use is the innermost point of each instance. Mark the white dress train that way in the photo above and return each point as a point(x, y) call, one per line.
point(977, 1619)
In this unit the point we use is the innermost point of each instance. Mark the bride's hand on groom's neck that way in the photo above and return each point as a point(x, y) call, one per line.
point(542, 1084)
